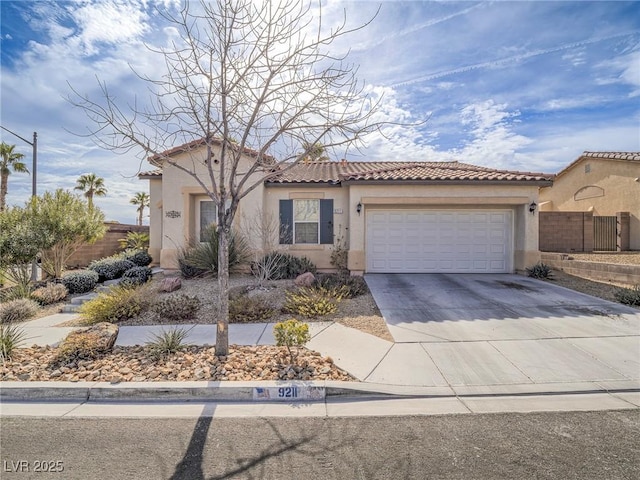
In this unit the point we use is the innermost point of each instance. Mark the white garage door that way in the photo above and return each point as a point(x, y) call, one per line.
point(430, 241)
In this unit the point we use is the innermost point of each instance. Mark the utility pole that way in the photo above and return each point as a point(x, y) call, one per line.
point(34, 193)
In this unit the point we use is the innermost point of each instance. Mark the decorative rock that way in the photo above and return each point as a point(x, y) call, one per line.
point(305, 280)
point(126, 364)
point(104, 333)
point(170, 284)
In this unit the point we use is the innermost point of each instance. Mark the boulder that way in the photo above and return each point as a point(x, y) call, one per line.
point(170, 284)
point(305, 280)
point(103, 336)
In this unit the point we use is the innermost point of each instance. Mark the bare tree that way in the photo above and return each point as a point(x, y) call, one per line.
point(249, 74)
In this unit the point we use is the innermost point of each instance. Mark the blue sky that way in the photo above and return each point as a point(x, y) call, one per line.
point(515, 85)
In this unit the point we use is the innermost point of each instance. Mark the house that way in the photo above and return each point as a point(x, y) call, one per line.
point(391, 216)
point(602, 183)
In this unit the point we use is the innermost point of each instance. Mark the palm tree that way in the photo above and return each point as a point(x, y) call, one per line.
point(91, 185)
point(10, 161)
point(141, 199)
point(315, 152)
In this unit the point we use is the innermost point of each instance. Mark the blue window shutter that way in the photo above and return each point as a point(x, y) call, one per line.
point(326, 221)
point(286, 222)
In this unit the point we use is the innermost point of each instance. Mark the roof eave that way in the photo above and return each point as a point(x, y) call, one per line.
point(449, 182)
point(336, 184)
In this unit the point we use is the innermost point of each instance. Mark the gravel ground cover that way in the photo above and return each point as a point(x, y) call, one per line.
point(135, 364)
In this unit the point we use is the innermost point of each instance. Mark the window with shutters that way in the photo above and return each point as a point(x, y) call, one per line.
point(306, 221)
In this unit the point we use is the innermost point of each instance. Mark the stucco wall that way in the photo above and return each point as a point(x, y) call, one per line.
point(155, 219)
point(179, 194)
point(517, 198)
point(618, 191)
point(318, 254)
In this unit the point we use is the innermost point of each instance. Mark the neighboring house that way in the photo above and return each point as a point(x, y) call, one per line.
point(393, 216)
point(603, 183)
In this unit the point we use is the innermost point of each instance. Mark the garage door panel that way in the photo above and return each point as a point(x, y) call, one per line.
point(439, 241)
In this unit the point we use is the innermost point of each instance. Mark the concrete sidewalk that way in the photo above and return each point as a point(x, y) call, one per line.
point(498, 367)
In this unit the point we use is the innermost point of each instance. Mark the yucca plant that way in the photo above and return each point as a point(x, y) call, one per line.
point(539, 270)
point(11, 337)
point(203, 257)
point(168, 341)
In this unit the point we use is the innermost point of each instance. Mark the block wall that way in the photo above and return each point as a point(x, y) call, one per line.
point(107, 245)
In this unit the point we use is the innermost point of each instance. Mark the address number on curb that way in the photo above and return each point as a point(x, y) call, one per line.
point(289, 393)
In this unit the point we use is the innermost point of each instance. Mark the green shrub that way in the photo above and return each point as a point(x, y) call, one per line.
point(11, 337)
point(313, 301)
point(248, 309)
point(118, 303)
point(539, 270)
point(110, 268)
point(80, 281)
point(167, 341)
point(186, 269)
point(137, 276)
point(135, 241)
point(177, 307)
point(349, 286)
point(284, 266)
point(50, 293)
point(14, 292)
point(18, 310)
point(291, 333)
point(628, 296)
point(141, 258)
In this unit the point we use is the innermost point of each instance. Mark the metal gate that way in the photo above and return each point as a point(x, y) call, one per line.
point(605, 233)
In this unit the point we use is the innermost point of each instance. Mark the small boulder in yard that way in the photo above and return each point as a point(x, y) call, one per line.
point(103, 336)
point(305, 280)
point(170, 284)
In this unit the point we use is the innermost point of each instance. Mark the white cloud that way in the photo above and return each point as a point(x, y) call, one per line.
point(108, 22)
point(622, 70)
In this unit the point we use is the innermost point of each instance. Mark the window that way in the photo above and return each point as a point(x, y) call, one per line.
point(206, 216)
point(306, 221)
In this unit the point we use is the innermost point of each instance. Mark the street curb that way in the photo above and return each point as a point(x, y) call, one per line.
point(245, 391)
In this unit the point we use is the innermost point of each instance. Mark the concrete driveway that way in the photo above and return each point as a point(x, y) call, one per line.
point(503, 330)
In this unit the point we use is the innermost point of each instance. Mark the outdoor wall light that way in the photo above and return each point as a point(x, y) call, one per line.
point(359, 208)
point(532, 208)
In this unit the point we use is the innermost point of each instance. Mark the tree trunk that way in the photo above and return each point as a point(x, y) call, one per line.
point(140, 218)
point(222, 331)
point(3, 190)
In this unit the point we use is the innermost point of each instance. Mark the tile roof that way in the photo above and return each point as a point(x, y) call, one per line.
point(616, 156)
point(633, 156)
point(338, 172)
point(156, 160)
point(151, 173)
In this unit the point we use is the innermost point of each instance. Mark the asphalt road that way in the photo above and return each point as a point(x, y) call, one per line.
point(587, 445)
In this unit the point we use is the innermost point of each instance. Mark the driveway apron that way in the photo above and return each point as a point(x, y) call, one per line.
point(500, 329)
